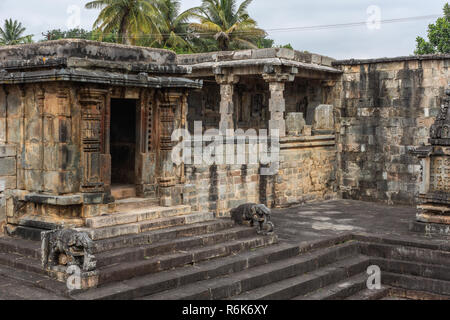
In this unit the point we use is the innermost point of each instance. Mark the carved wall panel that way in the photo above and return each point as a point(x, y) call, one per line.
point(93, 103)
point(440, 174)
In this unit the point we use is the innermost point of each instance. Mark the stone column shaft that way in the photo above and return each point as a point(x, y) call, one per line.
point(277, 107)
point(226, 107)
point(226, 82)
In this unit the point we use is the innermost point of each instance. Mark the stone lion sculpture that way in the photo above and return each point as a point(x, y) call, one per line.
point(67, 247)
point(256, 214)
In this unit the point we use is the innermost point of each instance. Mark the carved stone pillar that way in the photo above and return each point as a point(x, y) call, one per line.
point(226, 82)
point(169, 105)
point(95, 161)
point(277, 103)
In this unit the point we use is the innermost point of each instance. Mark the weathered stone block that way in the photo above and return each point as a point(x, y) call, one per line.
point(295, 123)
point(7, 166)
point(324, 118)
point(14, 129)
point(32, 157)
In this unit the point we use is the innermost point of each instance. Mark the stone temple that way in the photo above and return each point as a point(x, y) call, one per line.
point(88, 179)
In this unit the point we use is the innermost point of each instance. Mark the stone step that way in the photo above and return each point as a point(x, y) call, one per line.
point(21, 262)
point(32, 279)
point(166, 280)
point(236, 283)
point(305, 283)
point(127, 204)
point(156, 264)
point(416, 295)
point(392, 298)
point(143, 226)
point(340, 290)
point(123, 191)
point(368, 294)
point(20, 246)
point(407, 253)
point(171, 246)
point(136, 215)
point(432, 271)
point(155, 236)
point(415, 283)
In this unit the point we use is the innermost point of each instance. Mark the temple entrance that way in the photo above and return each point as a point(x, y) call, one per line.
point(123, 133)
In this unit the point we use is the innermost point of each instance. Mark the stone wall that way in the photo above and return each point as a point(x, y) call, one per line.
point(307, 172)
point(8, 180)
point(387, 107)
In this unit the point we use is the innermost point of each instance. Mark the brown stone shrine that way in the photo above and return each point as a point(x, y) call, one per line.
point(84, 124)
point(434, 210)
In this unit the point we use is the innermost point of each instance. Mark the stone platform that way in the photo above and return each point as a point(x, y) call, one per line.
point(323, 252)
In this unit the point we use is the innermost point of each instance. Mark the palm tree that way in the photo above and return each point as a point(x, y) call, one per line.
point(171, 24)
point(228, 24)
point(130, 18)
point(12, 33)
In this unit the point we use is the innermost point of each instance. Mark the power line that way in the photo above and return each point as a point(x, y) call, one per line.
point(353, 24)
point(292, 29)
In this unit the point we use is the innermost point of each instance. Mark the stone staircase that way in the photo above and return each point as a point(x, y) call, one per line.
point(215, 259)
point(139, 240)
point(323, 270)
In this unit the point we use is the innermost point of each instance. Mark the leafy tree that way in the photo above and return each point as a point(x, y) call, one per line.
point(229, 25)
point(95, 35)
point(438, 36)
point(13, 33)
point(172, 26)
point(130, 18)
point(57, 34)
point(265, 42)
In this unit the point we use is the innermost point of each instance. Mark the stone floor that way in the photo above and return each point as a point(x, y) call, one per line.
point(324, 219)
point(298, 224)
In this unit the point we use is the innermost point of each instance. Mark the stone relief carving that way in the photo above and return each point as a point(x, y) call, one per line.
point(67, 247)
point(256, 214)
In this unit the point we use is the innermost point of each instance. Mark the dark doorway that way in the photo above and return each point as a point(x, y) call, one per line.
point(123, 141)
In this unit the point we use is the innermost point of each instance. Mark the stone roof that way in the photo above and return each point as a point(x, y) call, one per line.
point(258, 57)
point(92, 62)
point(69, 48)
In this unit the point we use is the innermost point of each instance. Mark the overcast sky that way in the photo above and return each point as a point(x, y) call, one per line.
point(351, 42)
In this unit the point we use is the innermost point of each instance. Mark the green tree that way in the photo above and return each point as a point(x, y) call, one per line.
point(57, 34)
point(131, 19)
point(231, 26)
point(171, 25)
point(13, 33)
point(438, 36)
point(264, 42)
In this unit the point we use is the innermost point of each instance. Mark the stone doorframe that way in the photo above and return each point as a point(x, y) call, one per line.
point(158, 113)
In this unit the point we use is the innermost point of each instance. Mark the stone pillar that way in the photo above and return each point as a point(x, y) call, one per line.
point(277, 103)
point(94, 160)
point(277, 107)
point(226, 82)
point(169, 106)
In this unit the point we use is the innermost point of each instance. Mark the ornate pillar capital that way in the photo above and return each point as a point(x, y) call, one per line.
point(224, 79)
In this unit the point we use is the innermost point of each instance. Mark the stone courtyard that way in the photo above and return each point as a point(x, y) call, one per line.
point(94, 206)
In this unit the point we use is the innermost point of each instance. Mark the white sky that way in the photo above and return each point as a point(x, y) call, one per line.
point(356, 42)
